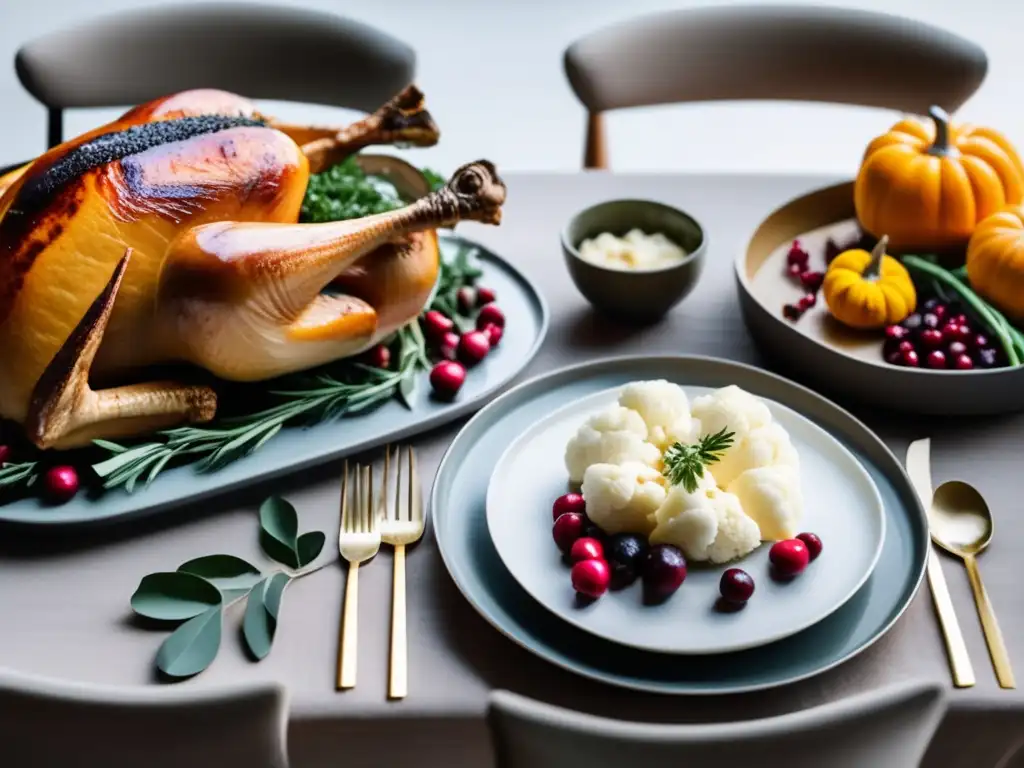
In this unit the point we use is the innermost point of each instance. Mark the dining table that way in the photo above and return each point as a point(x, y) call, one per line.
point(64, 593)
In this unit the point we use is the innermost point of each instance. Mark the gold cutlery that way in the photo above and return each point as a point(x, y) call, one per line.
point(961, 524)
point(401, 524)
point(358, 541)
point(919, 470)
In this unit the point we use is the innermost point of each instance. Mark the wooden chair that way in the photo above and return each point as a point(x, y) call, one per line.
point(259, 51)
point(796, 53)
point(891, 728)
point(47, 723)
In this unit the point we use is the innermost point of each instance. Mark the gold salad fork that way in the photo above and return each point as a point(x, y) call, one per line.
point(401, 524)
point(358, 541)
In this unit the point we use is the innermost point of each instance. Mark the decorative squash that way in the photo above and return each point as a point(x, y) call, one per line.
point(928, 186)
point(868, 290)
point(995, 260)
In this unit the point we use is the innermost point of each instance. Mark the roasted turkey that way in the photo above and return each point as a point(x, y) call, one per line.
point(171, 235)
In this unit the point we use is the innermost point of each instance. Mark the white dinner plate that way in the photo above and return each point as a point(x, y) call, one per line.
point(841, 505)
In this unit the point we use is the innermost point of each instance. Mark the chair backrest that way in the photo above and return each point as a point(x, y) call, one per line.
point(796, 53)
point(260, 51)
point(47, 723)
point(890, 728)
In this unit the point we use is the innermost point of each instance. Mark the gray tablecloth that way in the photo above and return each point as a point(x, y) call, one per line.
point(64, 602)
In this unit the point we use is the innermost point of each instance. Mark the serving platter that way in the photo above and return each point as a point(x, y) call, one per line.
point(459, 515)
point(838, 360)
point(842, 505)
point(295, 448)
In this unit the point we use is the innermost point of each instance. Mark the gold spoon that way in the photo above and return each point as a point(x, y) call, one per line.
point(961, 524)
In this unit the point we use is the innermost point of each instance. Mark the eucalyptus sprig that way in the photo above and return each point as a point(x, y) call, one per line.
point(196, 595)
point(684, 464)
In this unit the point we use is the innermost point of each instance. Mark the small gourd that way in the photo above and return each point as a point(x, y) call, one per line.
point(868, 290)
point(995, 260)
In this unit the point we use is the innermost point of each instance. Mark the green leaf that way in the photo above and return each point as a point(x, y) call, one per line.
point(191, 647)
point(261, 612)
point(231, 575)
point(279, 519)
point(174, 596)
point(309, 547)
point(278, 551)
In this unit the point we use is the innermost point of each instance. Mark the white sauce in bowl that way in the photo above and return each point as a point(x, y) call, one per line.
point(635, 251)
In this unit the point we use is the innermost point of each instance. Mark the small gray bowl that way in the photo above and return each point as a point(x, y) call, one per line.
point(640, 295)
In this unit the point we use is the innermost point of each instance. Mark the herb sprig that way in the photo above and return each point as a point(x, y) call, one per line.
point(684, 464)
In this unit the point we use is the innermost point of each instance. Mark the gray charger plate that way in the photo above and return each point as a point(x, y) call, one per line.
point(296, 448)
point(460, 524)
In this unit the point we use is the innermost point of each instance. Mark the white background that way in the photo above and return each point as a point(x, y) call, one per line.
point(492, 72)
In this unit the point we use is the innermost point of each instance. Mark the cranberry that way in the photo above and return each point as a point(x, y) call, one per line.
point(960, 319)
point(930, 320)
point(586, 548)
point(791, 312)
point(473, 347)
point(490, 315)
point(952, 332)
point(465, 297)
point(963, 362)
point(797, 255)
point(907, 346)
point(448, 346)
point(484, 296)
point(980, 341)
point(437, 324)
point(494, 334)
point(893, 357)
point(567, 529)
point(736, 586)
point(939, 311)
point(591, 577)
point(447, 378)
point(60, 484)
point(812, 280)
point(931, 338)
point(664, 570)
point(568, 502)
point(912, 322)
point(931, 304)
point(5, 454)
point(789, 557)
point(379, 357)
point(936, 359)
point(813, 544)
point(806, 302)
point(896, 332)
point(795, 270)
point(910, 359)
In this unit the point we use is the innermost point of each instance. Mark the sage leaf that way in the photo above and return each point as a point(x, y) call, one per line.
point(261, 612)
point(309, 547)
point(232, 575)
point(174, 596)
point(280, 521)
point(191, 647)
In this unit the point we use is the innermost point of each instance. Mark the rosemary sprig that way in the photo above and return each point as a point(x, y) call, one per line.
point(19, 474)
point(684, 464)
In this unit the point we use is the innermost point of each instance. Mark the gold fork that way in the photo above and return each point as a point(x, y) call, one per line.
point(401, 524)
point(358, 541)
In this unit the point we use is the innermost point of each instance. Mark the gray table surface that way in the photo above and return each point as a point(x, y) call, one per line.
point(64, 601)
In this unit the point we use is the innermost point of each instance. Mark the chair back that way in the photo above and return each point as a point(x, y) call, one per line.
point(47, 723)
point(794, 53)
point(260, 51)
point(891, 727)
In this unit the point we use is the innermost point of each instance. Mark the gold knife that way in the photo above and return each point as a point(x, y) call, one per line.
point(919, 470)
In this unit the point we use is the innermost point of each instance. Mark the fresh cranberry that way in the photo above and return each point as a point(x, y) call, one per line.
point(795, 270)
point(896, 332)
point(586, 548)
point(911, 359)
point(484, 296)
point(894, 357)
point(448, 346)
point(906, 346)
point(939, 311)
point(931, 337)
point(797, 255)
point(930, 320)
point(964, 333)
point(566, 503)
point(806, 302)
point(980, 341)
point(447, 378)
point(567, 529)
point(791, 312)
point(936, 359)
point(494, 334)
point(813, 544)
point(60, 484)
point(591, 577)
point(789, 557)
point(963, 362)
point(812, 280)
point(956, 348)
point(465, 297)
point(379, 357)
point(490, 314)
point(736, 586)
point(436, 324)
point(960, 319)
point(473, 347)
point(5, 454)
point(952, 332)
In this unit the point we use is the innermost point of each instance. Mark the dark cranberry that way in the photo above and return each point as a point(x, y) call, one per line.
point(813, 544)
point(894, 357)
point(936, 359)
point(960, 319)
point(980, 341)
point(988, 358)
point(939, 311)
point(956, 348)
point(795, 270)
point(568, 502)
point(806, 302)
point(791, 312)
point(466, 299)
point(586, 549)
point(437, 324)
point(484, 295)
point(736, 586)
point(912, 322)
point(490, 315)
point(963, 362)
point(911, 359)
point(379, 357)
point(930, 320)
point(907, 346)
point(5, 454)
point(447, 378)
point(956, 332)
point(664, 570)
point(896, 332)
point(473, 347)
point(797, 255)
point(448, 346)
point(931, 337)
point(494, 333)
point(626, 553)
point(567, 529)
point(60, 484)
point(812, 280)
point(592, 531)
point(591, 577)
point(789, 557)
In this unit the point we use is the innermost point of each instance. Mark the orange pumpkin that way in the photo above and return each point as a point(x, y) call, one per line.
point(995, 260)
point(928, 185)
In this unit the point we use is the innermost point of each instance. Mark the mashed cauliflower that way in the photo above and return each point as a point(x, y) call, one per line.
point(622, 498)
point(614, 436)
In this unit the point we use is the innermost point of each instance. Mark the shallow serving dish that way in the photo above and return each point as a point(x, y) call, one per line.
point(641, 295)
point(822, 352)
